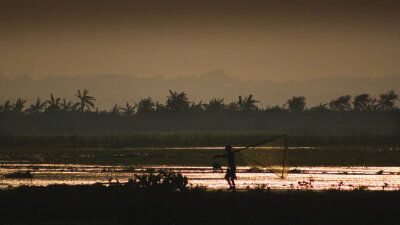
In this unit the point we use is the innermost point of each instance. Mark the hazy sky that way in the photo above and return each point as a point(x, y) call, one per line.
point(275, 40)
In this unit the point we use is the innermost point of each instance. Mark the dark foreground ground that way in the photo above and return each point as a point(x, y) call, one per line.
point(160, 204)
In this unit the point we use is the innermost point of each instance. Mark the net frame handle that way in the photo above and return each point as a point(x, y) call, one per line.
point(269, 140)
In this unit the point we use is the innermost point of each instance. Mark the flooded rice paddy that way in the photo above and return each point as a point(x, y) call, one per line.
point(313, 178)
point(311, 168)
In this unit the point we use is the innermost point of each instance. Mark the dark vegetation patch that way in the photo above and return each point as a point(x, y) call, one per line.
point(322, 156)
point(303, 122)
point(129, 140)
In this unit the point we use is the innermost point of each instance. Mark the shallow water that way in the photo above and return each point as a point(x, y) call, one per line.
point(315, 178)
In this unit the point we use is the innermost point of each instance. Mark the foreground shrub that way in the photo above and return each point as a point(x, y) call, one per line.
point(162, 180)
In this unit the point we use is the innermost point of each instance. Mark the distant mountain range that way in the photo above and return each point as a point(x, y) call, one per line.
point(111, 89)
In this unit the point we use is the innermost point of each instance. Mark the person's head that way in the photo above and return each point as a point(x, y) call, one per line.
point(228, 148)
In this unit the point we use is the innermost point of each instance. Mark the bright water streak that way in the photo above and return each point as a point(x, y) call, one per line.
point(315, 178)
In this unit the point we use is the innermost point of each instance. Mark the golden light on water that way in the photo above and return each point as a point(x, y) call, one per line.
point(311, 178)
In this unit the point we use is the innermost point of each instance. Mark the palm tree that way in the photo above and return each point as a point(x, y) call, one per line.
point(247, 104)
point(67, 106)
point(215, 105)
point(115, 109)
point(296, 103)
point(342, 103)
point(145, 106)
point(177, 102)
point(129, 110)
point(18, 106)
point(37, 107)
point(196, 107)
point(363, 102)
point(86, 101)
point(387, 101)
point(6, 107)
point(54, 104)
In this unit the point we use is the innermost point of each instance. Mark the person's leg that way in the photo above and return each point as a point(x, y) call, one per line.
point(230, 183)
point(227, 178)
point(233, 183)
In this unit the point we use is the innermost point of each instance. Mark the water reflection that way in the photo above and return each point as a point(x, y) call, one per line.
point(315, 178)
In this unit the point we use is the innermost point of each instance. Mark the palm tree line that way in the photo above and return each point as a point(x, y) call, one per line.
point(53, 104)
point(179, 102)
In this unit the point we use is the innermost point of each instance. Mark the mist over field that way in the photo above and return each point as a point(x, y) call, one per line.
point(111, 89)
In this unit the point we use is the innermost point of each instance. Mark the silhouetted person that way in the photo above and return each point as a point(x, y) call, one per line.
point(230, 175)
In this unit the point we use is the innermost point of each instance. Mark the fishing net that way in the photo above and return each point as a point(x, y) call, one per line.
point(271, 154)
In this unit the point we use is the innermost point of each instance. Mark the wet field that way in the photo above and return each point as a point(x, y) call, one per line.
point(372, 168)
point(312, 178)
point(34, 200)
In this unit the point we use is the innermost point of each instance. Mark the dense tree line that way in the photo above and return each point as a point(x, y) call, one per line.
point(344, 114)
point(180, 103)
